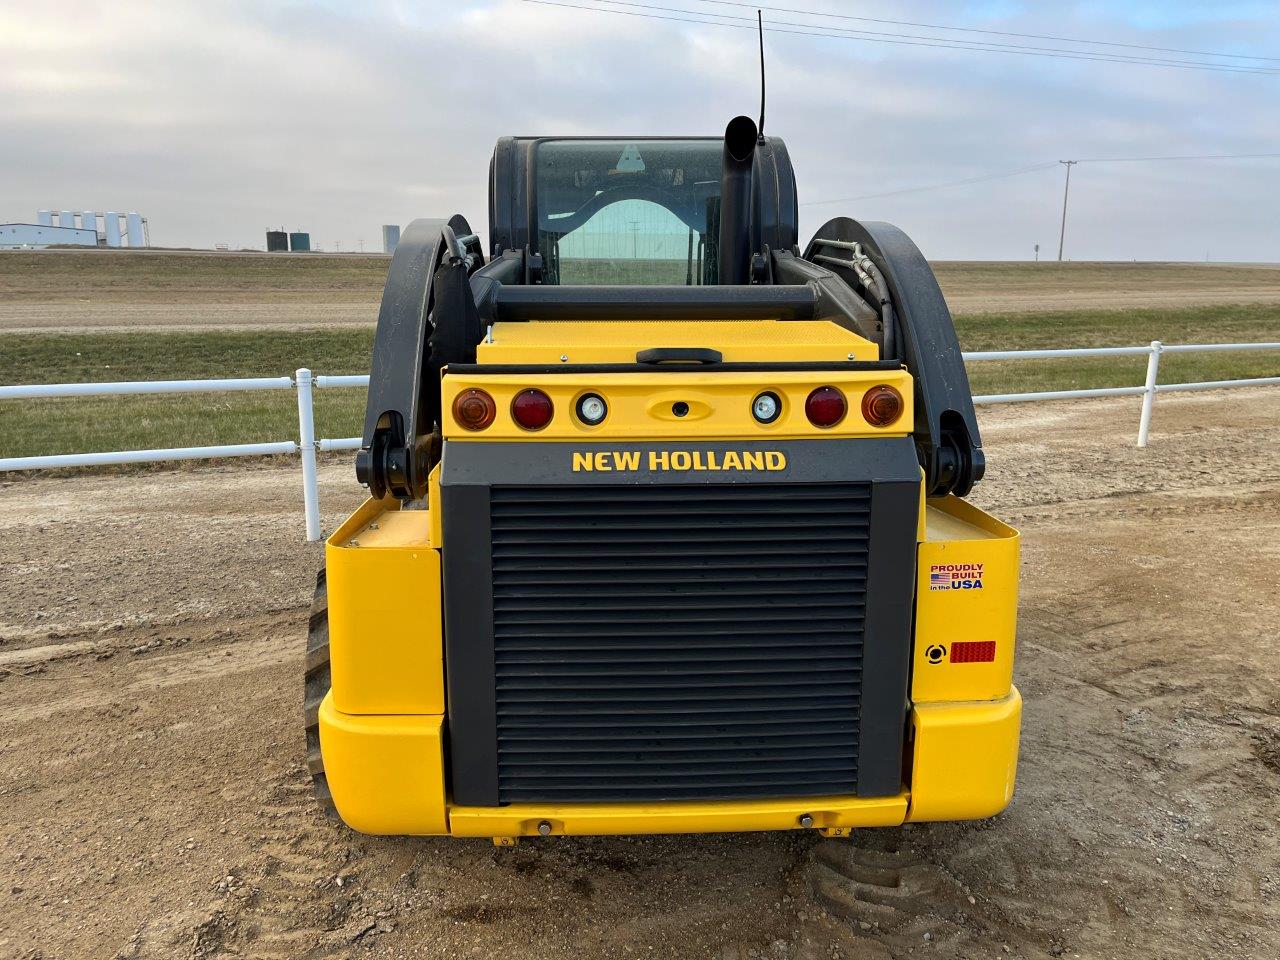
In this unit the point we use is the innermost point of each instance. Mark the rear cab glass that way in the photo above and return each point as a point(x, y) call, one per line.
point(628, 211)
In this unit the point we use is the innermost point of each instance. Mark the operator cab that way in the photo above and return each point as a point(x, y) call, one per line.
point(610, 211)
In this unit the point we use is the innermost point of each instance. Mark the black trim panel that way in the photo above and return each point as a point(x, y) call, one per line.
point(886, 658)
point(468, 630)
point(471, 469)
point(648, 302)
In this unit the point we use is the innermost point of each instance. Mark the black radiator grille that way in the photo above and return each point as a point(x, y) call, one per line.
point(679, 642)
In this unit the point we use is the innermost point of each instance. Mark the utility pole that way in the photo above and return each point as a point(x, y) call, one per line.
point(1037, 253)
point(1062, 235)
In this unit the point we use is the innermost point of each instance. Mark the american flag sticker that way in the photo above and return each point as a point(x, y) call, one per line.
point(955, 576)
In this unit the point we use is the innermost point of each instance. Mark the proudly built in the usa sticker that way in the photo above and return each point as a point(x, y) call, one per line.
point(955, 576)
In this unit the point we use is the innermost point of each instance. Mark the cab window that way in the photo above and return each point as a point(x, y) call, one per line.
point(628, 212)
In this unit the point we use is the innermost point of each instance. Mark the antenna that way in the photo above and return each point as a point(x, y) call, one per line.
point(760, 26)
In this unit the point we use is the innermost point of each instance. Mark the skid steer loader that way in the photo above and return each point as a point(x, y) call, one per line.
point(665, 529)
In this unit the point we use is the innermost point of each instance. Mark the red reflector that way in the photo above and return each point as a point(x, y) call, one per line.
point(973, 651)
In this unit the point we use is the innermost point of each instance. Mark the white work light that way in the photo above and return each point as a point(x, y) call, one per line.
point(592, 409)
point(766, 407)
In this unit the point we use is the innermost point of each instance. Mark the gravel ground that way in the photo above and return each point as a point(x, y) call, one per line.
point(151, 757)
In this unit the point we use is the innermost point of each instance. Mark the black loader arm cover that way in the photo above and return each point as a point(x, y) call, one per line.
point(946, 427)
point(393, 410)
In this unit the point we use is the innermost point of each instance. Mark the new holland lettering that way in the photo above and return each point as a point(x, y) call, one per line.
point(602, 461)
point(607, 461)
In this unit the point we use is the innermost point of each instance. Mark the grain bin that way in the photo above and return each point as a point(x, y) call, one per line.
point(133, 223)
point(390, 237)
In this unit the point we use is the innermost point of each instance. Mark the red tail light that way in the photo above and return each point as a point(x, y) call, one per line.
point(825, 407)
point(474, 409)
point(881, 405)
point(532, 409)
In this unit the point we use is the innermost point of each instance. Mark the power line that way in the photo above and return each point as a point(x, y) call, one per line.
point(936, 186)
point(1040, 166)
point(843, 33)
point(1210, 156)
point(984, 46)
point(996, 33)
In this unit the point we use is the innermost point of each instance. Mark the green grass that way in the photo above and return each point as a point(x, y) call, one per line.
point(37, 427)
point(85, 357)
point(1244, 323)
point(1241, 323)
point(47, 426)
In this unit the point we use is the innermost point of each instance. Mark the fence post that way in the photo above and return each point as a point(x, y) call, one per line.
point(1149, 397)
point(307, 449)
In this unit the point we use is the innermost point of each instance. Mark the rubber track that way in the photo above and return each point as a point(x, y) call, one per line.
point(316, 686)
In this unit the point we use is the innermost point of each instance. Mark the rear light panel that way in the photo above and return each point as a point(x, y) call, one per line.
point(769, 404)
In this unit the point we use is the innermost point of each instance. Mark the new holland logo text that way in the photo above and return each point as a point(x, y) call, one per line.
point(601, 461)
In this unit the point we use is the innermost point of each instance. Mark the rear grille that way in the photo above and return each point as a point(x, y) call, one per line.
point(680, 642)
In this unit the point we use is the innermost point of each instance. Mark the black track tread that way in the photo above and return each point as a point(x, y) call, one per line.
point(316, 685)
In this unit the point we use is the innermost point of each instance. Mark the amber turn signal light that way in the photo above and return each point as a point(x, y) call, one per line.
point(474, 409)
point(882, 405)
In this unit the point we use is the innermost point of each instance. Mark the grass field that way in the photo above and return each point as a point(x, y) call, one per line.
point(120, 276)
point(35, 427)
point(119, 290)
point(29, 428)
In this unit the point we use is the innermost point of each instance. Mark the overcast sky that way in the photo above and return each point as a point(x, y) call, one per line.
point(217, 120)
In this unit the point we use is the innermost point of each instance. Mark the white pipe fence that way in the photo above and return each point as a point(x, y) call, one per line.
point(308, 445)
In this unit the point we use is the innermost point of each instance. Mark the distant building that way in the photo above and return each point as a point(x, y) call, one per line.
point(277, 241)
point(300, 242)
point(390, 237)
point(29, 236)
point(113, 233)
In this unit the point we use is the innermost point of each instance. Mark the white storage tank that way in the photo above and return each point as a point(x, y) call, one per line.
point(134, 223)
point(111, 225)
point(44, 218)
point(89, 220)
point(67, 218)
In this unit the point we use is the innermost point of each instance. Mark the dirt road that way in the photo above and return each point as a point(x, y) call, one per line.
point(151, 631)
point(970, 287)
point(118, 291)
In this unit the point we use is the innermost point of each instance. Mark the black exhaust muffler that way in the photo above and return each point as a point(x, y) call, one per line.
point(735, 200)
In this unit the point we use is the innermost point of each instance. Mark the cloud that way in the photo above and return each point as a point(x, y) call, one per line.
point(218, 120)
